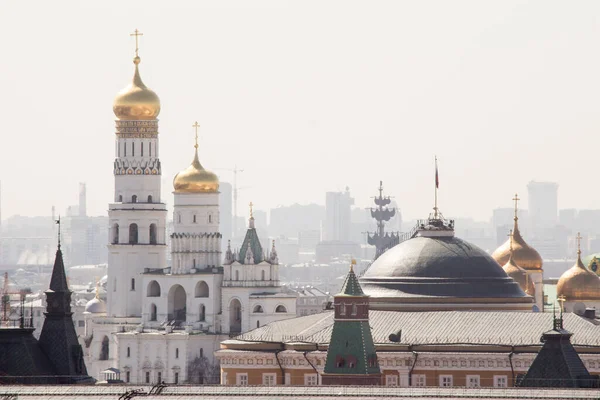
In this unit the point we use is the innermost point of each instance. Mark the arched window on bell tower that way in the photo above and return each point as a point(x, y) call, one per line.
point(133, 234)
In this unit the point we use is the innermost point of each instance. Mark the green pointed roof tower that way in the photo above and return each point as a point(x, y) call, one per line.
point(351, 356)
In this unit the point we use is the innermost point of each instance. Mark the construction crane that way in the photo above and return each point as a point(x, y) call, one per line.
point(6, 296)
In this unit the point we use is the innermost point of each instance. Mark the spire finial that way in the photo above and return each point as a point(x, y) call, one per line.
point(58, 223)
point(561, 300)
point(578, 238)
point(352, 264)
point(196, 126)
point(516, 200)
point(137, 34)
point(251, 213)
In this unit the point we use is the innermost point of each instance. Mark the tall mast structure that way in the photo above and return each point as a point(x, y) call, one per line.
point(382, 213)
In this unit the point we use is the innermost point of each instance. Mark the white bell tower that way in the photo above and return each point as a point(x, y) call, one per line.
point(137, 217)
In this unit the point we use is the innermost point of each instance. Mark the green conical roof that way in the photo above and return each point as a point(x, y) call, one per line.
point(351, 287)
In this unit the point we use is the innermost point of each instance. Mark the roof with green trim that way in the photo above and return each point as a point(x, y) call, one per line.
point(351, 287)
point(251, 242)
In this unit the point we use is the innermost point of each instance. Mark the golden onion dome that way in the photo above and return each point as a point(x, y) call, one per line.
point(578, 283)
point(136, 101)
point(195, 179)
point(519, 275)
point(524, 255)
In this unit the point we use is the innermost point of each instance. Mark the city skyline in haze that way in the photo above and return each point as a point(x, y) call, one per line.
point(309, 97)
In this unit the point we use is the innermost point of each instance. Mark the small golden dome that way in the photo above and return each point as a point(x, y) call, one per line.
point(524, 255)
point(136, 101)
point(579, 283)
point(520, 276)
point(195, 179)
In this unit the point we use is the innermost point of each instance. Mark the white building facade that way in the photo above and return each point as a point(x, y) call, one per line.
point(164, 322)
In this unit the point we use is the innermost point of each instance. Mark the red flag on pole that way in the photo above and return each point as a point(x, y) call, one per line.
point(437, 178)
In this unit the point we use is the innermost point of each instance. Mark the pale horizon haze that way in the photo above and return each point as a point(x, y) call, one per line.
point(308, 97)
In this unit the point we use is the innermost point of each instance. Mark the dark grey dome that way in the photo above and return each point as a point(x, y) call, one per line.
point(438, 266)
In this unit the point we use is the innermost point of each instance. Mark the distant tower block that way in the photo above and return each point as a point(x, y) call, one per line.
point(82, 200)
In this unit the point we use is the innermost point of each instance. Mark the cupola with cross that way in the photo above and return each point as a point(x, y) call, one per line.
point(524, 256)
point(578, 288)
point(196, 241)
point(137, 216)
point(351, 356)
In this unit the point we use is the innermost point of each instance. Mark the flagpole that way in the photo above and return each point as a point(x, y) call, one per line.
point(435, 183)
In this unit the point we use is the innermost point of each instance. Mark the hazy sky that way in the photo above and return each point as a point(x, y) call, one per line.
point(307, 97)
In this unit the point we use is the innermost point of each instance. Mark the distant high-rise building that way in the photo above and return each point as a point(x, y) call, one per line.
point(82, 200)
point(337, 216)
point(543, 205)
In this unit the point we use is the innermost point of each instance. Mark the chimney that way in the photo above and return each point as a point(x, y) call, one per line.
point(82, 200)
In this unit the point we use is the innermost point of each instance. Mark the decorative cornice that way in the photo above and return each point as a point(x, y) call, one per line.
point(126, 167)
point(132, 129)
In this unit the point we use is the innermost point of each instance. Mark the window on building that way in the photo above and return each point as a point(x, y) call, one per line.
point(241, 379)
point(473, 381)
point(258, 324)
point(150, 149)
point(269, 379)
point(419, 380)
point(445, 380)
point(118, 150)
point(354, 309)
point(147, 376)
point(202, 317)
point(81, 323)
point(176, 379)
point(142, 149)
point(176, 353)
point(152, 233)
point(115, 234)
point(128, 352)
point(280, 309)
point(149, 198)
point(120, 198)
point(201, 353)
point(104, 349)
point(127, 376)
point(391, 380)
point(262, 275)
point(224, 378)
point(342, 309)
point(134, 198)
point(237, 275)
point(132, 149)
point(178, 218)
point(133, 284)
point(133, 234)
point(500, 381)
point(125, 149)
point(288, 378)
point(158, 377)
point(152, 312)
point(194, 218)
point(210, 218)
point(310, 380)
point(194, 263)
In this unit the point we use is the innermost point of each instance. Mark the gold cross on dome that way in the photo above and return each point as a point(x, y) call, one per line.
point(578, 238)
point(137, 34)
point(516, 200)
point(196, 126)
point(251, 214)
